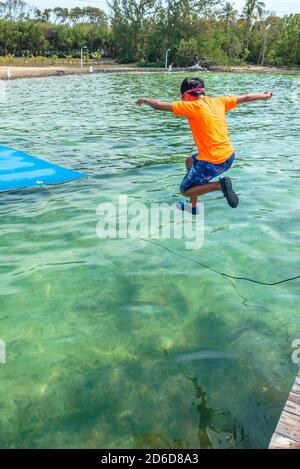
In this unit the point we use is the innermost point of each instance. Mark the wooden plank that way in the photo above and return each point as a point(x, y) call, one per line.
point(281, 442)
point(289, 426)
point(287, 433)
point(293, 404)
point(294, 398)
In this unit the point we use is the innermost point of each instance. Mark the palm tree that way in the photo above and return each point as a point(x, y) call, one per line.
point(229, 14)
point(251, 9)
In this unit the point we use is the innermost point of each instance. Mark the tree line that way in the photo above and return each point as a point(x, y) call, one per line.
point(194, 31)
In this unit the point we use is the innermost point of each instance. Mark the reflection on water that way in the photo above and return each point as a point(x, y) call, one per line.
point(120, 343)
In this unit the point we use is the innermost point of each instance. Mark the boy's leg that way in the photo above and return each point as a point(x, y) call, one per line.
point(188, 164)
point(196, 191)
point(225, 185)
point(193, 200)
point(211, 171)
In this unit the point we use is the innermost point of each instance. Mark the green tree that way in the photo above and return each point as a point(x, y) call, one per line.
point(229, 15)
point(142, 30)
point(128, 22)
point(15, 10)
point(76, 15)
point(187, 52)
point(62, 15)
point(94, 15)
point(43, 15)
point(288, 50)
point(97, 56)
point(251, 9)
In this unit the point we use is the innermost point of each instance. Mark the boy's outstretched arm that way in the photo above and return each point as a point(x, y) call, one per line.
point(155, 104)
point(249, 98)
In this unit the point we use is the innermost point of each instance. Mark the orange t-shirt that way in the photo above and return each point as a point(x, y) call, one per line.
point(206, 117)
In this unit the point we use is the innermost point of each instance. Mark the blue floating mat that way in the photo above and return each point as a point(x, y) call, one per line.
point(19, 170)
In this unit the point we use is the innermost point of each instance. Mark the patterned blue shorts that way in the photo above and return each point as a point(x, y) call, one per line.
point(202, 172)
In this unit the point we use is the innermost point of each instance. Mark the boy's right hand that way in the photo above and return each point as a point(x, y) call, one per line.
point(268, 95)
point(155, 104)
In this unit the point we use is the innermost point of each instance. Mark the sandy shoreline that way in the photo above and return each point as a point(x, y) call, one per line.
point(14, 72)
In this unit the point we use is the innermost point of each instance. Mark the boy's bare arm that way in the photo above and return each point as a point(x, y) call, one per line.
point(250, 98)
point(155, 104)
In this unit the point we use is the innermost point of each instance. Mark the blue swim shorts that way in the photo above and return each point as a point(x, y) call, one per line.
point(202, 172)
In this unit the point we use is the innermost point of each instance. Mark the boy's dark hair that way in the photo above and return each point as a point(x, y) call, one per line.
point(191, 83)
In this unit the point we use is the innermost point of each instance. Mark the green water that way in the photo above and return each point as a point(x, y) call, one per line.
point(112, 343)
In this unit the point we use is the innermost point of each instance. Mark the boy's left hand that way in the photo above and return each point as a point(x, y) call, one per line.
point(141, 101)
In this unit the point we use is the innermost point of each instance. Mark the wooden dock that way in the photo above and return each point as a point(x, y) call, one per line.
point(287, 433)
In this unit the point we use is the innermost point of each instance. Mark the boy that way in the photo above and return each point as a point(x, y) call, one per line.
point(215, 155)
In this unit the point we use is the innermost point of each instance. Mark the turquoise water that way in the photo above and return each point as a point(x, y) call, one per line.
point(121, 343)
